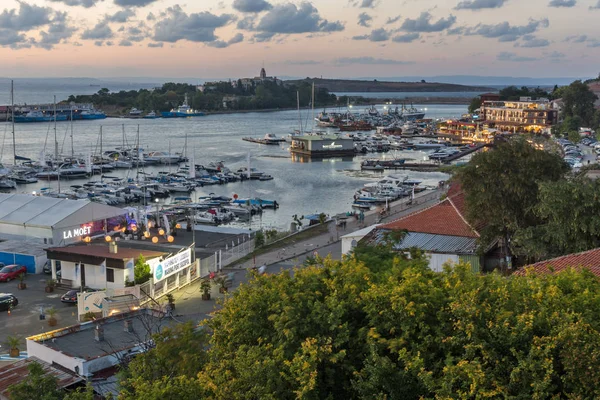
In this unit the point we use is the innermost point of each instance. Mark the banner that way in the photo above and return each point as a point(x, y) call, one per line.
point(172, 265)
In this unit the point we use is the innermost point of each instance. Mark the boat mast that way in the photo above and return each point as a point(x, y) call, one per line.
point(137, 149)
point(101, 160)
point(55, 137)
point(12, 100)
point(72, 150)
point(299, 114)
point(312, 103)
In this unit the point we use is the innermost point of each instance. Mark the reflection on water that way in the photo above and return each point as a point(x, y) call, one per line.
point(300, 187)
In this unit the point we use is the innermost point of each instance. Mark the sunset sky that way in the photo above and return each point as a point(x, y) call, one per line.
point(333, 38)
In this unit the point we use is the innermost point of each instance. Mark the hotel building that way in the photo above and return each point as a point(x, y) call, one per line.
point(525, 115)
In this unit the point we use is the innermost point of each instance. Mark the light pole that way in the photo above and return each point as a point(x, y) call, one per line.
point(157, 215)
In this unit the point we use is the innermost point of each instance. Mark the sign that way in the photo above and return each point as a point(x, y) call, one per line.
point(90, 302)
point(77, 232)
point(332, 146)
point(172, 265)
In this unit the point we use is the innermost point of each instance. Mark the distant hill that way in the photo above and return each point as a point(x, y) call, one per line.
point(348, 85)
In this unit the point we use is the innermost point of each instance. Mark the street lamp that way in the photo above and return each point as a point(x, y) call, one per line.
point(157, 215)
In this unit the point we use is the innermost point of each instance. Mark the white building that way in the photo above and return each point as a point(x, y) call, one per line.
point(350, 241)
point(29, 223)
point(98, 266)
point(50, 220)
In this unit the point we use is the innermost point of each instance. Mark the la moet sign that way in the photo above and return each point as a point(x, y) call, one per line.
point(77, 232)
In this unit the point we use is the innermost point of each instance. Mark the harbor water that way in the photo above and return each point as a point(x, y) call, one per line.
point(299, 187)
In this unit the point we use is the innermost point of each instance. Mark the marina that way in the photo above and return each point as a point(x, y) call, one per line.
point(299, 185)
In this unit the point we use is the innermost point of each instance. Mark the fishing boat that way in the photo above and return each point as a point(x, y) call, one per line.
point(134, 112)
point(151, 115)
point(38, 116)
point(258, 202)
point(182, 111)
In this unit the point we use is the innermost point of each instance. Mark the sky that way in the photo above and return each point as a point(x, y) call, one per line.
point(329, 38)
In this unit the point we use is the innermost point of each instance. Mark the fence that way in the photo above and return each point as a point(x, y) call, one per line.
point(200, 268)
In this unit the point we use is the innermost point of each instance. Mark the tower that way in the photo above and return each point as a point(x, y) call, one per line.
point(263, 73)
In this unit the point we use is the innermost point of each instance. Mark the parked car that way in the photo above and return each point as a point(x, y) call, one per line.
point(11, 272)
point(7, 301)
point(71, 296)
point(48, 268)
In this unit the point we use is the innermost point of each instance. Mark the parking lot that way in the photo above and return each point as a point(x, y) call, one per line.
point(24, 320)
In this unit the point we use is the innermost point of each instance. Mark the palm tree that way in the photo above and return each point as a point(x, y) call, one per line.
point(13, 343)
point(52, 313)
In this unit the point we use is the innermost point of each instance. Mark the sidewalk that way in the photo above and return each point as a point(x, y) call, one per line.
point(398, 209)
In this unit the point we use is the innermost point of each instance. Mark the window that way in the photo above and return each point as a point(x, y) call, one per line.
point(110, 275)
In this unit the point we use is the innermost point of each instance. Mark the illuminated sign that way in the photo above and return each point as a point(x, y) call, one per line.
point(77, 232)
point(332, 146)
point(164, 269)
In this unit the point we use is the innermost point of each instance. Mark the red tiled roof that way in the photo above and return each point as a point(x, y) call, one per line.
point(586, 260)
point(445, 218)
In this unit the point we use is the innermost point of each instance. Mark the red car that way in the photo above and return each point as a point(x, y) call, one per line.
point(11, 272)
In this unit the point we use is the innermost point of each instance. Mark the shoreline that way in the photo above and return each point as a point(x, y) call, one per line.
point(370, 102)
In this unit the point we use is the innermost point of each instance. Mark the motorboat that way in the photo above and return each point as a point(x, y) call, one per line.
point(161, 157)
point(151, 115)
point(7, 184)
point(134, 112)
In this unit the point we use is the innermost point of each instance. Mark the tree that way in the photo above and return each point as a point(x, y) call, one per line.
point(141, 271)
point(82, 393)
point(36, 386)
point(259, 239)
point(178, 352)
point(475, 104)
point(568, 209)
point(578, 101)
point(501, 188)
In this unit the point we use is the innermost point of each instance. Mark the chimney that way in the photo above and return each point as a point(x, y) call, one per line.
point(112, 248)
point(128, 326)
point(99, 333)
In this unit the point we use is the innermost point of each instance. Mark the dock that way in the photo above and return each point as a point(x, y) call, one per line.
point(262, 141)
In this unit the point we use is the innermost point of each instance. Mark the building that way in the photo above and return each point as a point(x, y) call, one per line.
point(91, 347)
point(98, 266)
point(17, 372)
point(350, 241)
point(489, 97)
point(51, 220)
point(525, 115)
point(322, 146)
point(41, 221)
point(589, 260)
point(443, 233)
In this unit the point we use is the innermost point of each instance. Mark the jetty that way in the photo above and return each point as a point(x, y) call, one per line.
point(269, 139)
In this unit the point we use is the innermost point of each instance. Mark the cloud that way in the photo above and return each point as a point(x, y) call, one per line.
point(596, 7)
point(246, 24)
point(196, 27)
point(82, 3)
point(58, 31)
point(532, 41)
point(121, 16)
point(562, 3)
point(423, 24)
point(125, 43)
point(391, 20)
point(263, 37)
point(251, 6)
point(577, 39)
point(13, 39)
point(99, 32)
point(555, 55)
point(370, 61)
point(302, 62)
point(363, 3)
point(364, 19)
point(28, 17)
point(155, 44)
point(406, 38)
point(220, 44)
point(288, 18)
point(479, 4)
point(504, 31)
point(134, 3)
point(376, 35)
point(512, 57)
